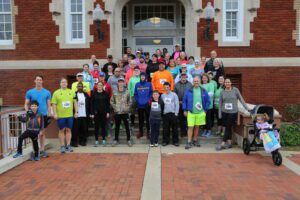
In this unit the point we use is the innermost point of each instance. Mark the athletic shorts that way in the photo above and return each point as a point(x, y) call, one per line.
point(46, 121)
point(65, 123)
point(196, 119)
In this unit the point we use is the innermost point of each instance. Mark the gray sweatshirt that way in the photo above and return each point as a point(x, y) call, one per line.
point(229, 101)
point(180, 89)
point(171, 103)
point(113, 82)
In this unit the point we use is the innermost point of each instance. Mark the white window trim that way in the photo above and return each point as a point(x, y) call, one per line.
point(11, 44)
point(244, 24)
point(127, 18)
point(182, 7)
point(240, 23)
point(150, 28)
point(296, 32)
point(69, 38)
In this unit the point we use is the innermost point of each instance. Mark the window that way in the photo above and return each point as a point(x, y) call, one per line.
point(233, 20)
point(154, 16)
point(183, 44)
point(75, 21)
point(124, 45)
point(182, 12)
point(6, 22)
point(124, 17)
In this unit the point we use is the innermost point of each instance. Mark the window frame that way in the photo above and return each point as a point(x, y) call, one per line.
point(240, 22)
point(68, 23)
point(127, 17)
point(8, 42)
point(182, 9)
point(151, 28)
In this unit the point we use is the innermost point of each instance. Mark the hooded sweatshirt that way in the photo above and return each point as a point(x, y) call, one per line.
point(142, 93)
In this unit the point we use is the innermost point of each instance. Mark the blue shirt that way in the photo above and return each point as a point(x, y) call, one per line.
point(42, 97)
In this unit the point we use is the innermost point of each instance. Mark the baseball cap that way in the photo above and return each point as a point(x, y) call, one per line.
point(197, 61)
point(183, 74)
point(102, 74)
point(121, 79)
point(183, 65)
point(136, 67)
point(138, 51)
point(110, 56)
point(162, 63)
point(79, 74)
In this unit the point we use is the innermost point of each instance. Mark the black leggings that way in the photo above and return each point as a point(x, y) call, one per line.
point(34, 135)
point(80, 130)
point(100, 121)
point(118, 119)
point(143, 112)
point(229, 119)
point(208, 119)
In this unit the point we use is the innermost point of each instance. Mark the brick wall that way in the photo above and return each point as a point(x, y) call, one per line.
point(275, 86)
point(37, 33)
point(272, 29)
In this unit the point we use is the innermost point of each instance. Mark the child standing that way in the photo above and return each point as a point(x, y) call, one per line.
point(156, 112)
point(34, 124)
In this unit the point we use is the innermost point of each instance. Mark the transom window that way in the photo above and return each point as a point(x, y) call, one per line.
point(5, 22)
point(233, 20)
point(154, 16)
point(75, 21)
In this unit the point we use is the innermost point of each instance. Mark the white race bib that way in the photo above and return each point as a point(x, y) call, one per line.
point(151, 75)
point(162, 81)
point(168, 101)
point(155, 105)
point(81, 104)
point(228, 106)
point(66, 104)
point(211, 94)
point(198, 106)
point(95, 80)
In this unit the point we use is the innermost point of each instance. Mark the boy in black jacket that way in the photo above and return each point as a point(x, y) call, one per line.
point(34, 124)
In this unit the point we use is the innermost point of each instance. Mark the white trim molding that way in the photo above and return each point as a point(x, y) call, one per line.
point(11, 45)
point(57, 8)
point(247, 13)
point(77, 64)
point(296, 33)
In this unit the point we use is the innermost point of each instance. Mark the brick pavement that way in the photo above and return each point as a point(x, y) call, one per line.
point(76, 176)
point(226, 176)
point(295, 158)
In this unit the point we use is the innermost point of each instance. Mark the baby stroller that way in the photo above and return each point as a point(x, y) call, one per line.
point(252, 144)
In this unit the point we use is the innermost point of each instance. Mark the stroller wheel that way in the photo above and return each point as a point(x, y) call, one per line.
point(277, 158)
point(246, 146)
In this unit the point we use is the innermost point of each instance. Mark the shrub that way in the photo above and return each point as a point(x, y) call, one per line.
point(292, 112)
point(290, 134)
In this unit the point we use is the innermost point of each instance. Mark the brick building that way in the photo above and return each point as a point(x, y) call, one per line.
point(258, 40)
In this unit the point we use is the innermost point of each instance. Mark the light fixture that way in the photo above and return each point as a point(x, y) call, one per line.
point(98, 16)
point(156, 41)
point(155, 20)
point(209, 13)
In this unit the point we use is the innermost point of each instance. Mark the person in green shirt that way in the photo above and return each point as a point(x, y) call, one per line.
point(131, 86)
point(63, 102)
point(218, 91)
point(86, 85)
point(210, 88)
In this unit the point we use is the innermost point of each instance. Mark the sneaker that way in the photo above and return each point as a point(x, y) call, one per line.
point(204, 134)
point(208, 134)
point(151, 145)
point(36, 158)
point(188, 145)
point(129, 143)
point(17, 155)
point(96, 143)
point(220, 148)
point(62, 149)
point(156, 144)
point(104, 143)
point(196, 143)
point(69, 148)
point(44, 154)
point(115, 143)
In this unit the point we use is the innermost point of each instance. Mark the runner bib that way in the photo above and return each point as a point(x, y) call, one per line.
point(228, 106)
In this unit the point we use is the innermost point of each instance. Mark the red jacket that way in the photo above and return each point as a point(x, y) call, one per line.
point(107, 88)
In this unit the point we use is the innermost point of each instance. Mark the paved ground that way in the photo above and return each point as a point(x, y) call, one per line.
point(76, 176)
point(295, 158)
point(226, 176)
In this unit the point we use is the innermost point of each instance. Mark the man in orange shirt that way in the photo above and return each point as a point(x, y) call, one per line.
point(160, 77)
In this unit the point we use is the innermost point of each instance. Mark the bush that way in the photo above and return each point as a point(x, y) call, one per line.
point(290, 134)
point(292, 112)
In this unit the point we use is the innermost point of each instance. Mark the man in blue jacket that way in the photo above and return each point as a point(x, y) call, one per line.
point(195, 104)
point(142, 95)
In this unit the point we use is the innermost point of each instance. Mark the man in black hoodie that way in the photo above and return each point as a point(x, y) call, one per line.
point(152, 67)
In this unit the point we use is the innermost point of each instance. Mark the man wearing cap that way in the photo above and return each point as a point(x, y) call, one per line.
point(176, 54)
point(142, 95)
point(121, 102)
point(109, 62)
point(184, 70)
point(131, 86)
point(152, 67)
point(86, 85)
point(130, 72)
point(113, 80)
point(160, 77)
point(180, 89)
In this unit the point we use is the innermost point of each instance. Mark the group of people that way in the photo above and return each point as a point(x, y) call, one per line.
point(162, 89)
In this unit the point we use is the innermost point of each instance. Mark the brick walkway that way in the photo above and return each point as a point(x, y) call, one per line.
point(295, 158)
point(226, 176)
point(76, 176)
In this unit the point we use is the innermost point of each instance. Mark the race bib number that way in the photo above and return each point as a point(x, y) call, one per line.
point(198, 106)
point(155, 105)
point(151, 75)
point(168, 101)
point(96, 80)
point(162, 81)
point(211, 94)
point(81, 104)
point(66, 104)
point(228, 106)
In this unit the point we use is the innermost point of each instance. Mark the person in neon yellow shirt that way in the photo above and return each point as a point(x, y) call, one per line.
point(86, 85)
point(63, 101)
